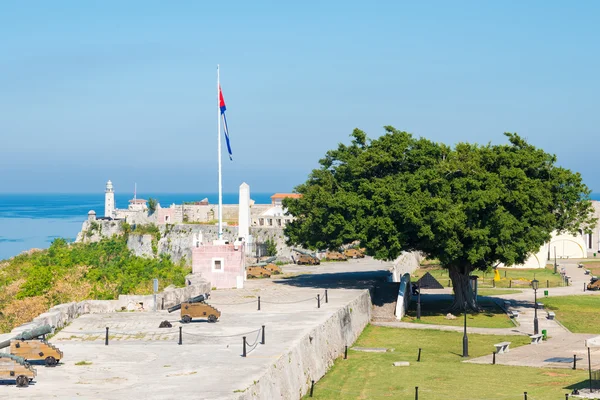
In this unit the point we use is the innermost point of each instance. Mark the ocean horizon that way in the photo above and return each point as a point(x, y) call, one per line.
point(34, 220)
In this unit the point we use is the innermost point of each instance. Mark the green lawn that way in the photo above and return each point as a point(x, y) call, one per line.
point(520, 277)
point(440, 375)
point(579, 314)
point(435, 311)
point(496, 292)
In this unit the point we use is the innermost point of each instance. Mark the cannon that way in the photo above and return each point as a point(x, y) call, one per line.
point(306, 258)
point(335, 256)
point(196, 308)
point(263, 269)
point(26, 346)
point(17, 368)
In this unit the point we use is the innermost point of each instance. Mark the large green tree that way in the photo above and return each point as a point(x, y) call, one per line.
point(469, 206)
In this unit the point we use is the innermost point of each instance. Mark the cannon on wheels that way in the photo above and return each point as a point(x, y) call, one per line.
point(16, 368)
point(196, 308)
point(27, 346)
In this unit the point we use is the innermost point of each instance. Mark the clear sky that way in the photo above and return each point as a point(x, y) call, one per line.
point(126, 90)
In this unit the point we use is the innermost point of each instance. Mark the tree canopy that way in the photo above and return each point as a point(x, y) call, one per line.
point(470, 206)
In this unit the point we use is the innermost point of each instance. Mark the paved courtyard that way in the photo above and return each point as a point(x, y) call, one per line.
point(143, 360)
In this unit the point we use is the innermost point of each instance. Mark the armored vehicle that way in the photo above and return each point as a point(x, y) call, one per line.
point(197, 308)
point(17, 369)
point(594, 284)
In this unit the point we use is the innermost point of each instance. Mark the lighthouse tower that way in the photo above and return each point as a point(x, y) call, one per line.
point(109, 200)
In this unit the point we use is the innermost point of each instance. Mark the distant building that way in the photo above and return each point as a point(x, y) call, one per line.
point(277, 198)
point(138, 205)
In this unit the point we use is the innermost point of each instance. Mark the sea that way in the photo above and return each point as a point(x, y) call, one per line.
point(34, 220)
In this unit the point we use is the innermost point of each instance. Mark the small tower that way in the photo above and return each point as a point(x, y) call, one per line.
point(109, 200)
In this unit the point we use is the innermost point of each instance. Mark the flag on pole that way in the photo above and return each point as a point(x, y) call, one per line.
point(223, 108)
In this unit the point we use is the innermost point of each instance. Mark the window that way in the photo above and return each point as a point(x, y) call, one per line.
point(261, 221)
point(166, 218)
point(278, 222)
point(218, 265)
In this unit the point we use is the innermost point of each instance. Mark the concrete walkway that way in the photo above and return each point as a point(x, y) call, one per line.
point(556, 352)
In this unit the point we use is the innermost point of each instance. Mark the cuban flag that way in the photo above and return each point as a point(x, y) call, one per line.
point(223, 108)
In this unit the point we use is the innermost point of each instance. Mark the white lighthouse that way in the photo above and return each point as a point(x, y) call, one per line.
point(109, 200)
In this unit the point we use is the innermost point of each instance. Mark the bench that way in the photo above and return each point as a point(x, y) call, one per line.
point(536, 339)
point(551, 315)
point(580, 266)
point(587, 271)
point(502, 347)
point(540, 306)
point(513, 313)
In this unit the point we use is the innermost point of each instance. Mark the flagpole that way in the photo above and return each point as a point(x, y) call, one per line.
point(220, 235)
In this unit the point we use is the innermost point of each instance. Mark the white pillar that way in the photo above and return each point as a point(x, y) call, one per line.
point(244, 212)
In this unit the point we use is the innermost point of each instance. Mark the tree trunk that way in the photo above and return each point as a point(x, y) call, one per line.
point(463, 292)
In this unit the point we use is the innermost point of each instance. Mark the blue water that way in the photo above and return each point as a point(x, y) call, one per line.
point(34, 220)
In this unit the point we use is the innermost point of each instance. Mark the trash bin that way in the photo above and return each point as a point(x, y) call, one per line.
point(546, 293)
point(544, 334)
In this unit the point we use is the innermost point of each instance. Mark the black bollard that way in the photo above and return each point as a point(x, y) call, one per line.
point(574, 361)
point(106, 338)
point(419, 356)
point(180, 336)
point(318, 301)
point(493, 358)
point(162, 306)
point(510, 284)
point(263, 335)
point(493, 283)
point(547, 284)
point(258, 303)
point(346, 353)
point(312, 388)
point(244, 347)
point(416, 393)
point(326, 297)
point(524, 395)
point(567, 396)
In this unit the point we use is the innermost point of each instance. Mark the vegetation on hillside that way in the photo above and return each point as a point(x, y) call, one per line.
point(470, 206)
point(32, 283)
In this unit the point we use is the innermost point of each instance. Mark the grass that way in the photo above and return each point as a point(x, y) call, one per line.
point(83, 363)
point(440, 374)
point(496, 292)
point(579, 314)
point(434, 312)
point(509, 277)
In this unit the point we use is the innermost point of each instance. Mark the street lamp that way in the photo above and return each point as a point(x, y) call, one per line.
point(465, 338)
point(535, 284)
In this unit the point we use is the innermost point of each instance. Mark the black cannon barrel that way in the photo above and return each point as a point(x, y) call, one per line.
point(197, 299)
point(28, 335)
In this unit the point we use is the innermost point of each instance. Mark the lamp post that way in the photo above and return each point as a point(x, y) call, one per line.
point(535, 284)
point(465, 338)
point(419, 302)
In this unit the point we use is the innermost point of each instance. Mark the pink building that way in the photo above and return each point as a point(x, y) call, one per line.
point(224, 266)
point(165, 215)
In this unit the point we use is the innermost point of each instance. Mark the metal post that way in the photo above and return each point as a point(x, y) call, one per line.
point(494, 358)
point(326, 297)
point(419, 356)
point(106, 338)
point(263, 335)
point(416, 393)
point(419, 302)
point(524, 395)
point(535, 318)
point(493, 283)
point(162, 306)
point(345, 352)
point(312, 388)
point(258, 303)
point(465, 338)
point(510, 283)
point(574, 361)
point(555, 265)
point(318, 301)
point(244, 346)
point(590, 369)
point(180, 336)
point(547, 284)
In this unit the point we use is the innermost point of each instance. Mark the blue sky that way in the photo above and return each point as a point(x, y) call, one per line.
point(126, 91)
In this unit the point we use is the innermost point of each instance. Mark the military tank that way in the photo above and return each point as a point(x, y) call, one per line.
point(197, 308)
